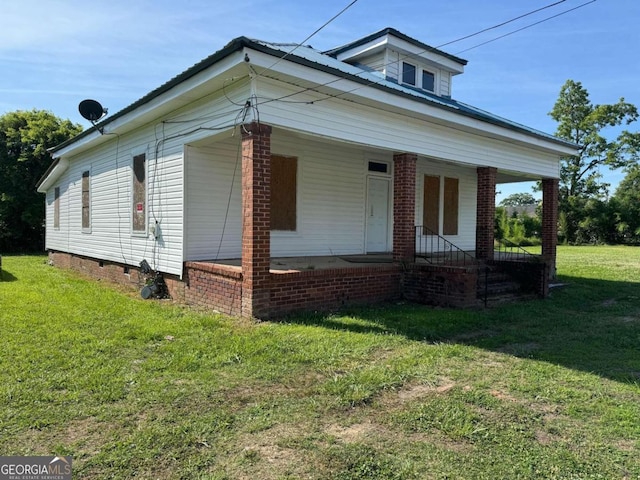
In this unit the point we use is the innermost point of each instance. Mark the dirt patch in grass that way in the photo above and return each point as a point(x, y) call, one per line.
point(503, 396)
point(267, 454)
point(545, 438)
point(413, 392)
point(356, 432)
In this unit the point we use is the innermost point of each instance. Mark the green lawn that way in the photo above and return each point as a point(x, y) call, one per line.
point(145, 389)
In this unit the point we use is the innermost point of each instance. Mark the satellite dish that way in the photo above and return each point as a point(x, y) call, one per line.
point(91, 110)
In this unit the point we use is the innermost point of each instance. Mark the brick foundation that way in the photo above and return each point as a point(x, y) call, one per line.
point(213, 286)
point(113, 272)
point(329, 289)
point(441, 285)
point(221, 287)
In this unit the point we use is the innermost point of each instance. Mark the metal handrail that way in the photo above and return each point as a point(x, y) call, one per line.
point(510, 251)
point(434, 248)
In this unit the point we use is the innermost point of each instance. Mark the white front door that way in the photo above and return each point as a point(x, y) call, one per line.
point(378, 214)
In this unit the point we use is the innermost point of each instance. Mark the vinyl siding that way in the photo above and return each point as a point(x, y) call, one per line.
point(445, 83)
point(330, 199)
point(210, 187)
point(376, 61)
point(111, 237)
point(375, 127)
point(466, 238)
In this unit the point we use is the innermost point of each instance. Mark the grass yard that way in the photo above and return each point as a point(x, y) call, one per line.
point(144, 389)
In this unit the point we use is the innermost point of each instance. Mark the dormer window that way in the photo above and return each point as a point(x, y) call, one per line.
point(408, 73)
point(403, 60)
point(409, 77)
point(428, 81)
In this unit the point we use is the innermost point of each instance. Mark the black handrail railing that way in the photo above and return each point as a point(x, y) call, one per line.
point(436, 249)
point(512, 252)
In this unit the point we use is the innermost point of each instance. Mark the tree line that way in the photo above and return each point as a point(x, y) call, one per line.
point(588, 213)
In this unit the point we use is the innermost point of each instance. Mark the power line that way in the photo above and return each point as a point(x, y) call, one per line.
point(314, 87)
point(353, 2)
point(525, 27)
point(423, 51)
point(501, 24)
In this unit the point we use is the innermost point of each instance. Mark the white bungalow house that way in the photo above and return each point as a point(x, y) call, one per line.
point(264, 153)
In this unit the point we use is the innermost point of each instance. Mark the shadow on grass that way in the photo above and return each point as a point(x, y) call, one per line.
point(589, 325)
point(7, 276)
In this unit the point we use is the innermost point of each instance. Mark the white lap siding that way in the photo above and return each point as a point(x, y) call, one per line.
point(110, 236)
point(331, 180)
point(467, 191)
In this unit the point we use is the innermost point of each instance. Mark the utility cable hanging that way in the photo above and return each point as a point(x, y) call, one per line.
point(500, 24)
point(353, 2)
point(527, 26)
point(314, 87)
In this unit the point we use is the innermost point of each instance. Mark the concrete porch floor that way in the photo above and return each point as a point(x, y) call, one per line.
point(302, 264)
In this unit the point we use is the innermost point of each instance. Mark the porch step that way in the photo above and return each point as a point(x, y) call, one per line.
point(498, 287)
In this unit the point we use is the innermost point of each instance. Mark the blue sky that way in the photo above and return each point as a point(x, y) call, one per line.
point(55, 53)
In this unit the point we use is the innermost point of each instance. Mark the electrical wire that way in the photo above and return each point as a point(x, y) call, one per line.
point(118, 195)
point(315, 87)
point(500, 24)
point(527, 26)
point(353, 2)
point(233, 177)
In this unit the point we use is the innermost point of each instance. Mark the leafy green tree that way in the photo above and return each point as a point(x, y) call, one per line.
point(25, 137)
point(625, 205)
point(582, 122)
point(518, 200)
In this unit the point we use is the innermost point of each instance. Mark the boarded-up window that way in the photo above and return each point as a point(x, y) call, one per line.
point(284, 175)
point(139, 193)
point(450, 213)
point(431, 204)
point(56, 207)
point(86, 199)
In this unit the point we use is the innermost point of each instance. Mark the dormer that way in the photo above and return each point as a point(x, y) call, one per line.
point(403, 60)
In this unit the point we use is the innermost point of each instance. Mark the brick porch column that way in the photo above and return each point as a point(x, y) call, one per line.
point(404, 204)
point(485, 212)
point(550, 194)
point(256, 219)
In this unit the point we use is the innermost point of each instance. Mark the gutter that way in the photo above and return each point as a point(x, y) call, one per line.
point(54, 171)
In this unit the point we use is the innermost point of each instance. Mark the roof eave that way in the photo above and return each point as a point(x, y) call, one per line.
point(392, 31)
point(233, 46)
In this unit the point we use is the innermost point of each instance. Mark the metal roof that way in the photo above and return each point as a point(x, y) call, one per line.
point(392, 31)
point(307, 56)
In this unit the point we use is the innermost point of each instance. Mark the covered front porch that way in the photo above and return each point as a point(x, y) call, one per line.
point(261, 282)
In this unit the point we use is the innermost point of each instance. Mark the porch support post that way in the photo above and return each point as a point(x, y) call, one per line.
point(256, 219)
point(485, 212)
point(404, 204)
point(550, 198)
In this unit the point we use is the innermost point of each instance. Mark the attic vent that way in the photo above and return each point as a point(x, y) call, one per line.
point(378, 167)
